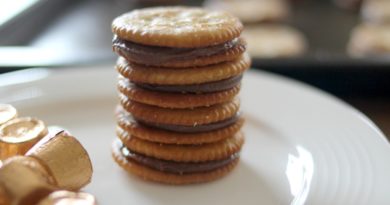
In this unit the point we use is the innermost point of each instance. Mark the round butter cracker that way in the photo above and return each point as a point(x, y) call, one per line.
point(182, 27)
point(149, 174)
point(185, 76)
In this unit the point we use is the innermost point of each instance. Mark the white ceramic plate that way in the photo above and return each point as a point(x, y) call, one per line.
point(303, 146)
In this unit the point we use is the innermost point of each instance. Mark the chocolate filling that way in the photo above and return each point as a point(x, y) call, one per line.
point(177, 167)
point(155, 55)
point(192, 129)
point(216, 86)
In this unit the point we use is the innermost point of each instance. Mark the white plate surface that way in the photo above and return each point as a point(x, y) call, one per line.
point(302, 147)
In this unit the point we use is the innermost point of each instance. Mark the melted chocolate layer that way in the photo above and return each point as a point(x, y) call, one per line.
point(177, 167)
point(216, 86)
point(154, 55)
point(192, 129)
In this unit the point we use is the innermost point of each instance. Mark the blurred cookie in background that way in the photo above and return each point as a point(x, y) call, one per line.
point(370, 40)
point(348, 4)
point(252, 11)
point(150, 3)
point(274, 41)
point(376, 11)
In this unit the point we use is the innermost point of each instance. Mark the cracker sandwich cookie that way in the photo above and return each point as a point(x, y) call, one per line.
point(376, 11)
point(180, 71)
point(370, 40)
point(253, 11)
point(274, 41)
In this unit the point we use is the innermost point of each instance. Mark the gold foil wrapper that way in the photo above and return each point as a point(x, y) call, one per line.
point(7, 113)
point(18, 135)
point(68, 198)
point(65, 159)
point(23, 180)
point(4, 199)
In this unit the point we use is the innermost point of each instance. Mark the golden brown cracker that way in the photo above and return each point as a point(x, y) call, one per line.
point(253, 11)
point(274, 41)
point(184, 76)
point(185, 153)
point(187, 117)
point(182, 27)
point(168, 178)
point(129, 126)
point(174, 100)
point(376, 12)
point(370, 40)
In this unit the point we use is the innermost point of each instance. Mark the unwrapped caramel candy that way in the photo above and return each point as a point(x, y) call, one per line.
point(18, 135)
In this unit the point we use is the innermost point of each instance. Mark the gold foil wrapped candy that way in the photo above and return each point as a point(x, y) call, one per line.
point(68, 198)
point(18, 135)
point(7, 113)
point(23, 181)
point(65, 158)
